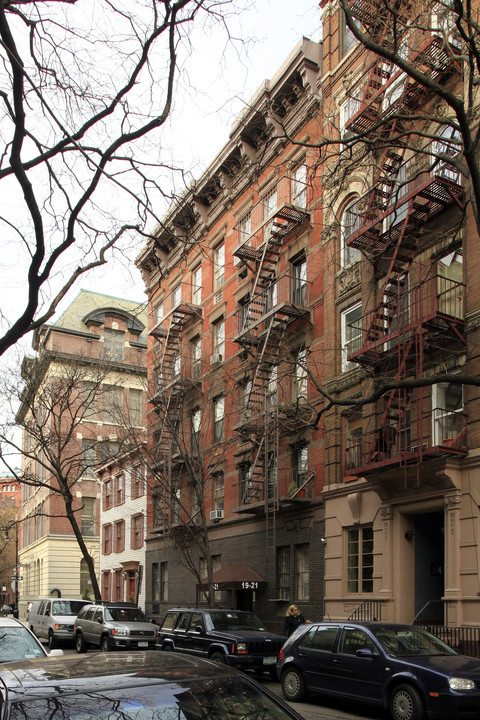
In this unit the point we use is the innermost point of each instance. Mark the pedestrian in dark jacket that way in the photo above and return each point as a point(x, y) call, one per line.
point(292, 620)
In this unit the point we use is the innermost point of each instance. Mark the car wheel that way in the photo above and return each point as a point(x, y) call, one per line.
point(52, 643)
point(105, 644)
point(406, 703)
point(293, 686)
point(167, 648)
point(218, 657)
point(80, 644)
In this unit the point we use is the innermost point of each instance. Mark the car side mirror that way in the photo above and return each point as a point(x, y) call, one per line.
point(47, 613)
point(100, 621)
point(365, 653)
point(58, 652)
point(199, 629)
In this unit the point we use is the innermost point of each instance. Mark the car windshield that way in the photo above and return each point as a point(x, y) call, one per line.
point(199, 699)
point(231, 620)
point(124, 615)
point(17, 644)
point(67, 607)
point(411, 642)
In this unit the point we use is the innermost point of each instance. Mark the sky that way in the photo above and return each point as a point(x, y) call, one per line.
point(218, 81)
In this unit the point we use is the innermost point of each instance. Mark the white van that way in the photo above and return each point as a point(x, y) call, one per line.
point(53, 618)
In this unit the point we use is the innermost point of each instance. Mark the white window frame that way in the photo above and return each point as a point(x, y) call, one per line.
point(197, 286)
point(299, 186)
point(441, 415)
point(348, 256)
point(219, 266)
point(348, 341)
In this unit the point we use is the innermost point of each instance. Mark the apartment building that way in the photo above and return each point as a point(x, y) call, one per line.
point(401, 466)
point(234, 278)
point(84, 392)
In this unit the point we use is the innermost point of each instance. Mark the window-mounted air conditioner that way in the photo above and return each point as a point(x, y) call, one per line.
point(216, 515)
point(215, 358)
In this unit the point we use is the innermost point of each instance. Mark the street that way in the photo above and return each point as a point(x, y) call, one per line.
point(316, 709)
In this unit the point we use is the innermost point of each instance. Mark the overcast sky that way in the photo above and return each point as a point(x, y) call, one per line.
point(221, 79)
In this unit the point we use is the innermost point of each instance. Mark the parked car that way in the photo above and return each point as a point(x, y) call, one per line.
point(144, 686)
point(114, 626)
point(18, 643)
point(400, 667)
point(53, 618)
point(234, 637)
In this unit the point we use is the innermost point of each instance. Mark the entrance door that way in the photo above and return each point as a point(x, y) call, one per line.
point(429, 565)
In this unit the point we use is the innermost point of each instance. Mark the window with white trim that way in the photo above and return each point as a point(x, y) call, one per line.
point(219, 266)
point(349, 224)
point(360, 559)
point(351, 334)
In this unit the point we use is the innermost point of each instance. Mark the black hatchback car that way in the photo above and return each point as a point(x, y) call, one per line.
point(133, 686)
point(400, 667)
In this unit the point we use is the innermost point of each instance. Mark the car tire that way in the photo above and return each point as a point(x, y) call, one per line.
point(52, 642)
point(167, 648)
point(406, 703)
point(293, 686)
point(105, 644)
point(218, 657)
point(80, 644)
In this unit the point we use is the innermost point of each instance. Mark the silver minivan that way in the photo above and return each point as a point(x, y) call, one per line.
point(53, 619)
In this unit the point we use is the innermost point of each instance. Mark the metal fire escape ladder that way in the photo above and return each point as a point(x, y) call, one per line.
point(271, 483)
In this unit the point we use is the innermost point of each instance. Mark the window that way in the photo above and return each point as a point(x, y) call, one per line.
point(164, 581)
point(360, 560)
point(176, 366)
point(106, 586)
point(300, 465)
point(349, 108)
point(269, 202)
point(196, 422)
point(113, 345)
point(218, 418)
point(176, 495)
point(272, 388)
point(283, 572)
point(89, 458)
point(85, 581)
point(89, 400)
point(302, 572)
point(107, 539)
point(301, 378)
point(353, 639)
point(351, 334)
point(137, 481)
point(88, 516)
point(177, 296)
point(299, 186)
point(119, 489)
point(135, 407)
point(118, 589)
point(112, 403)
point(450, 288)
point(448, 421)
point(219, 266)
point(321, 638)
point(218, 491)
point(196, 357)
point(197, 286)
point(353, 441)
point(155, 582)
point(159, 312)
point(219, 339)
point(137, 531)
point(348, 39)
point(107, 494)
point(245, 227)
point(119, 539)
point(299, 272)
point(349, 225)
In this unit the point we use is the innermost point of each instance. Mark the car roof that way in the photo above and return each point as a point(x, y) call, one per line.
point(368, 624)
point(11, 622)
point(207, 609)
point(52, 676)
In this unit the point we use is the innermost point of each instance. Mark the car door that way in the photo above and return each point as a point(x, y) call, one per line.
point(180, 633)
point(85, 622)
point(44, 614)
point(97, 626)
point(197, 641)
point(315, 656)
point(355, 674)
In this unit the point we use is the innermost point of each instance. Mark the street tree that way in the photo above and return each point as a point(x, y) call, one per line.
point(87, 88)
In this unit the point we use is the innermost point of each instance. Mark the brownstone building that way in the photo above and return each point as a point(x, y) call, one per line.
point(235, 295)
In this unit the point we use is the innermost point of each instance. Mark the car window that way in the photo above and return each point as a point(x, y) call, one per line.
point(41, 609)
point(125, 615)
point(232, 620)
point(98, 615)
point(408, 642)
point(353, 639)
point(196, 621)
point(169, 621)
point(223, 698)
point(18, 644)
point(182, 623)
point(88, 614)
point(67, 607)
point(321, 638)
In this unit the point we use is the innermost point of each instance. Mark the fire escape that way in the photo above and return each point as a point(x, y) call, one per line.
point(260, 328)
point(174, 375)
point(415, 310)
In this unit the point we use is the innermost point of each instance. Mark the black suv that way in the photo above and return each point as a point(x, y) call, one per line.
point(113, 626)
point(234, 637)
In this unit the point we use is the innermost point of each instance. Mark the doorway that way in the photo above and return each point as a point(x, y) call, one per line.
point(429, 553)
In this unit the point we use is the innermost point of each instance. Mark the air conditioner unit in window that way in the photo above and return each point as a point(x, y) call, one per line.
point(216, 514)
point(216, 358)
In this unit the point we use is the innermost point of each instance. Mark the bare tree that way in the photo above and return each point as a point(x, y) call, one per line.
point(83, 88)
point(55, 408)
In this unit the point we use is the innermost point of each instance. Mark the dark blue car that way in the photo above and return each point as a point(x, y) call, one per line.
point(399, 667)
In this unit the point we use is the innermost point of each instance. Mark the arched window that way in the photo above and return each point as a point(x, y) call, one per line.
point(349, 223)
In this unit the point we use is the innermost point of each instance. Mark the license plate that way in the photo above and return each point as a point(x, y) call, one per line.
point(269, 660)
point(143, 643)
